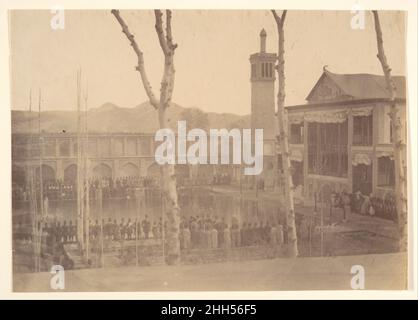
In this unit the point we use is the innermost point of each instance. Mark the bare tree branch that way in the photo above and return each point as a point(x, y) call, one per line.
point(398, 125)
point(279, 20)
point(283, 17)
point(168, 177)
point(160, 31)
point(141, 66)
point(275, 15)
point(169, 35)
point(382, 57)
point(283, 139)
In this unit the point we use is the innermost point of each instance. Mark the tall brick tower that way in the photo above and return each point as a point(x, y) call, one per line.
point(262, 90)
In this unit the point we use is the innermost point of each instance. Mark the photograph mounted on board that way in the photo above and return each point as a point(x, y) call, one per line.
point(208, 150)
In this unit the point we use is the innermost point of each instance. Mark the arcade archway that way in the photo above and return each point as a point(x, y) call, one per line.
point(70, 173)
point(129, 170)
point(102, 171)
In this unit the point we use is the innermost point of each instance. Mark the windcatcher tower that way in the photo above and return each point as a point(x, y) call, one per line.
point(262, 90)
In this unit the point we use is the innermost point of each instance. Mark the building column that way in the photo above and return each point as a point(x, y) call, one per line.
point(138, 146)
point(57, 148)
point(60, 169)
point(111, 146)
point(115, 167)
point(375, 124)
point(305, 158)
point(350, 150)
point(125, 144)
point(72, 154)
point(98, 149)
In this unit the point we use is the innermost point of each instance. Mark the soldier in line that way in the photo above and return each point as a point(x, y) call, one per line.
point(256, 234)
point(266, 233)
point(207, 235)
point(65, 232)
point(155, 230)
point(122, 228)
point(73, 231)
point(160, 227)
point(58, 232)
point(202, 236)
point(194, 230)
point(146, 226)
point(108, 229)
point(214, 236)
point(280, 234)
point(220, 227)
point(130, 230)
point(235, 235)
point(138, 229)
point(116, 230)
point(95, 232)
point(273, 235)
point(346, 202)
point(227, 237)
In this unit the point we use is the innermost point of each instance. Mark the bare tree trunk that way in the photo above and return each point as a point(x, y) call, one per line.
point(168, 186)
point(284, 142)
point(399, 146)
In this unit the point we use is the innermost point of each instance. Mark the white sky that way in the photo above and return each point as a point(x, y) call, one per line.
point(212, 66)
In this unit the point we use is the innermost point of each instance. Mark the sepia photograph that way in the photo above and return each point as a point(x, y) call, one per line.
point(174, 150)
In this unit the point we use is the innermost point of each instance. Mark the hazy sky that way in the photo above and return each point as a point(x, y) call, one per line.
point(212, 66)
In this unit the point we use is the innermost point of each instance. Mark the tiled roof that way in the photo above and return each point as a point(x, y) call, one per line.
point(364, 85)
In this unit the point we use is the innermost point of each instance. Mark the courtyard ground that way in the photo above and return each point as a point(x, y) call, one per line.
point(382, 272)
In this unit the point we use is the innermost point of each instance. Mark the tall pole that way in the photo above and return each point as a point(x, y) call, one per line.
point(86, 175)
point(163, 207)
point(101, 225)
point(137, 222)
point(322, 222)
point(80, 220)
point(33, 206)
point(240, 194)
point(41, 194)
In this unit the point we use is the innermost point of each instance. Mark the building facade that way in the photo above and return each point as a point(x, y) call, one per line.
point(341, 138)
point(110, 155)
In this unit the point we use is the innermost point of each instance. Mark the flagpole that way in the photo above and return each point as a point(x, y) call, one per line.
point(41, 187)
point(86, 175)
point(32, 196)
point(80, 220)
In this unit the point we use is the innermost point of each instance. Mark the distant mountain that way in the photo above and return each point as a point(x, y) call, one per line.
point(112, 118)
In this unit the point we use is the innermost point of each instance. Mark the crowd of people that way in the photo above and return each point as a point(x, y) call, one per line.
point(211, 233)
point(59, 189)
point(365, 204)
point(196, 232)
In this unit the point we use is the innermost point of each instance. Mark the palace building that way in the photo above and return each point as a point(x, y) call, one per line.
point(340, 139)
point(342, 136)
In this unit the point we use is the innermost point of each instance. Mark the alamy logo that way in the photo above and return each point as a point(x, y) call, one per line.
point(58, 18)
point(57, 281)
point(358, 19)
point(202, 151)
point(357, 281)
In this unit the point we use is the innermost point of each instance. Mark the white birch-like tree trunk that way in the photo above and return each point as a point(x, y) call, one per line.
point(168, 178)
point(283, 140)
point(398, 124)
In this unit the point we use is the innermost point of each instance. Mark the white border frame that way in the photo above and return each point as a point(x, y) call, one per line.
point(5, 159)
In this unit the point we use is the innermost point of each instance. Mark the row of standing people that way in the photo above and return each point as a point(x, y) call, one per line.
point(112, 229)
point(200, 232)
point(60, 189)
